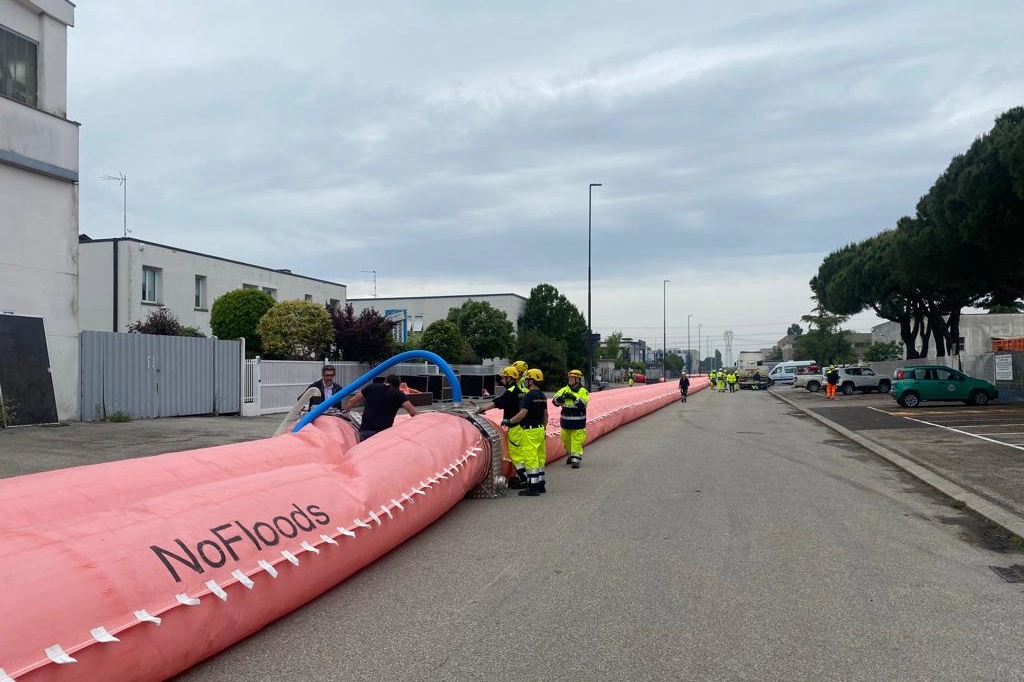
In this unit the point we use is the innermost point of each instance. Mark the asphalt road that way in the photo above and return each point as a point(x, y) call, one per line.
point(730, 538)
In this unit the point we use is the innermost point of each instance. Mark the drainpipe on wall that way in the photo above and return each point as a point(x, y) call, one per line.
point(115, 284)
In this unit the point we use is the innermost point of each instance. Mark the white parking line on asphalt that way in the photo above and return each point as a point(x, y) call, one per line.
point(950, 428)
point(982, 426)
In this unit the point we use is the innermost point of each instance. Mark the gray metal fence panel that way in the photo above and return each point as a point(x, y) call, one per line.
point(146, 376)
point(227, 377)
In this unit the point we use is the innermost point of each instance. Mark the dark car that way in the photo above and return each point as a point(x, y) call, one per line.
point(914, 385)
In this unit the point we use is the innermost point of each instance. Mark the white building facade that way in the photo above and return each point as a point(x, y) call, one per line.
point(122, 280)
point(416, 313)
point(39, 184)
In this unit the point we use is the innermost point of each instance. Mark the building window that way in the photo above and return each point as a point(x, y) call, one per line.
point(200, 292)
point(19, 71)
point(333, 304)
point(417, 323)
point(249, 286)
point(309, 298)
point(150, 282)
point(272, 292)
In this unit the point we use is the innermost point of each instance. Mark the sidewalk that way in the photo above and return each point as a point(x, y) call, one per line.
point(985, 477)
point(31, 449)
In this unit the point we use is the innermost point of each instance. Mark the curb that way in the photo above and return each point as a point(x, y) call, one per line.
point(979, 505)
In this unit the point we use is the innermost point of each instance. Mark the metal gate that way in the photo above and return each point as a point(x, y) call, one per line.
point(145, 376)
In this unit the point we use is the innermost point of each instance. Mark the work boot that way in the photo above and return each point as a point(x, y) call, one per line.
point(520, 482)
point(575, 460)
point(532, 491)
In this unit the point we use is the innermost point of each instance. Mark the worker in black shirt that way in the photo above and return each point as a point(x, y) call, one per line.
point(509, 402)
point(684, 387)
point(382, 402)
point(532, 417)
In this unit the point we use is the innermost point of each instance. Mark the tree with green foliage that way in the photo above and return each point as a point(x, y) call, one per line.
point(444, 338)
point(235, 315)
point(880, 351)
point(1014, 308)
point(962, 248)
point(775, 354)
point(612, 347)
point(674, 362)
point(296, 330)
point(794, 330)
point(546, 354)
point(551, 314)
point(366, 337)
point(824, 341)
point(163, 322)
point(486, 329)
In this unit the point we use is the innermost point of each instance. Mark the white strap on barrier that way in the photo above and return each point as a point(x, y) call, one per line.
point(387, 511)
point(186, 600)
point(419, 491)
point(290, 557)
point(266, 566)
point(243, 578)
point(346, 531)
point(144, 616)
point(397, 504)
point(328, 539)
point(361, 523)
point(374, 517)
point(405, 496)
point(101, 634)
point(56, 654)
point(308, 547)
point(217, 590)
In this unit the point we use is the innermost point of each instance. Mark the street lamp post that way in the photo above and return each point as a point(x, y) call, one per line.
point(590, 318)
point(689, 360)
point(699, 358)
point(664, 329)
point(122, 180)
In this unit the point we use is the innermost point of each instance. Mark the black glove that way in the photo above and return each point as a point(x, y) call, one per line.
point(505, 422)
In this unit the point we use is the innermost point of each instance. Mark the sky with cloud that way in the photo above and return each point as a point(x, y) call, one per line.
point(448, 145)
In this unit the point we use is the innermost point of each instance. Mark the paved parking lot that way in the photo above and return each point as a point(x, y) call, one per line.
point(978, 448)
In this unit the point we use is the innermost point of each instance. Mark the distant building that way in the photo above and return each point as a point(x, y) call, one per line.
point(860, 342)
point(787, 344)
point(416, 313)
point(39, 195)
point(123, 279)
point(638, 351)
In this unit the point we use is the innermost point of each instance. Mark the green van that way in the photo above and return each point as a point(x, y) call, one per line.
point(913, 385)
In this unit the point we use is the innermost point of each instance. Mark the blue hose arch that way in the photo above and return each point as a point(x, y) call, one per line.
point(387, 364)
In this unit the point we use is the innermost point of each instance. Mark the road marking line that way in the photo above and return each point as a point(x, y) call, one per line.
point(982, 426)
point(965, 433)
point(1002, 433)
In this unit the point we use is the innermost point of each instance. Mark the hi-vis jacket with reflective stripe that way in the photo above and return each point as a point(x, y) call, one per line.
point(574, 407)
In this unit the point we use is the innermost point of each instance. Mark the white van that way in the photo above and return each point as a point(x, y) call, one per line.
point(785, 372)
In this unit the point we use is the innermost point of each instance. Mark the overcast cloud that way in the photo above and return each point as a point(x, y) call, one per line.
point(448, 144)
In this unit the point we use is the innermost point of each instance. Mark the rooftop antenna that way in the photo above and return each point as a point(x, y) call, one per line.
point(374, 272)
point(122, 180)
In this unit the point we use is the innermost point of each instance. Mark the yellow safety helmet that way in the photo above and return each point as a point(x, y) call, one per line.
point(575, 373)
point(535, 374)
point(510, 372)
point(521, 367)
